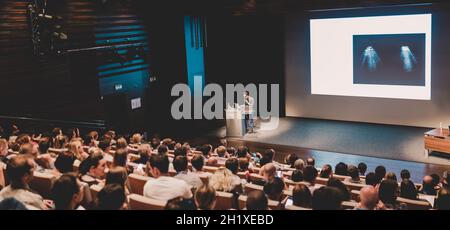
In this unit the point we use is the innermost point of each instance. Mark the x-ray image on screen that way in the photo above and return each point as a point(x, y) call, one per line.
point(389, 59)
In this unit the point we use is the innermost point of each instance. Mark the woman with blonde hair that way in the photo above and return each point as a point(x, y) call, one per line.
point(205, 197)
point(223, 180)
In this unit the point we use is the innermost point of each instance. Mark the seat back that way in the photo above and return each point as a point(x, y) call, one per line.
point(210, 169)
point(224, 200)
point(340, 177)
point(252, 187)
point(322, 181)
point(354, 186)
point(242, 203)
point(415, 204)
point(42, 183)
point(293, 207)
point(138, 202)
point(137, 183)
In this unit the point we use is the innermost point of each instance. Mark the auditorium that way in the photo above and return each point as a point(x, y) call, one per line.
point(237, 106)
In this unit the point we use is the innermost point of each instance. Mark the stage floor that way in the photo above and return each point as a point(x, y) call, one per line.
point(365, 139)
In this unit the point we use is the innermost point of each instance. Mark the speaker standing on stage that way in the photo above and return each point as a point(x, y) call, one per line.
point(248, 111)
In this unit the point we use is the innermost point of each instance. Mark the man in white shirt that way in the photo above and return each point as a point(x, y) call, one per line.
point(164, 187)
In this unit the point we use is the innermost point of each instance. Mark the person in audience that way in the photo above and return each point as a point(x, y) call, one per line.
point(242, 151)
point(136, 140)
point(92, 170)
point(428, 186)
point(180, 164)
point(105, 145)
point(341, 169)
point(290, 159)
point(327, 198)
point(443, 199)
point(310, 162)
point(163, 149)
point(112, 197)
point(268, 172)
point(164, 187)
point(274, 189)
point(120, 158)
point(205, 197)
point(225, 181)
point(297, 176)
point(354, 175)
point(118, 175)
point(94, 137)
point(301, 196)
point(436, 181)
point(76, 148)
point(181, 151)
point(380, 173)
point(299, 164)
point(206, 150)
point(244, 164)
point(231, 151)
point(326, 172)
point(391, 176)
point(4, 151)
point(222, 152)
point(67, 193)
point(64, 162)
point(232, 164)
point(155, 142)
point(387, 192)
point(404, 174)
point(145, 151)
point(180, 203)
point(446, 179)
point(309, 176)
point(371, 179)
point(212, 161)
point(267, 157)
point(333, 182)
point(257, 200)
point(20, 171)
point(362, 168)
point(197, 162)
point(121, 143)
point(368, 197)
point(408, 190)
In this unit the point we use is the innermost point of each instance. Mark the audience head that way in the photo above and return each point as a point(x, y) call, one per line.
point(310, 174)
point(269, 154)
point(64, 162)
point(121, 143)
point(221, 151)
point(368, 198)
point(94, 165)
point(44, 145)
point(269, 171)
point(197, 162)
point(404, 174)
point(380, 172)
point(181, 151)
point(408, 190)
point(371, 179)
point(341, 169)
point(144, 150)
point(299, 164)
point(136, 138)
point(257, 200)
point(120, 158)
point(112, 197)
point(333, 182)
point(362, 167)
point(222, 180)
point(66, 192)
point(242, 151)
point(391, 175)
point(326, 198)
point(180, 163)
point(231, 151)
point(159, 165)
point(353, 172)
point(117, 175)
point(388, 191)
point(3, 147)
point(290, 159)
point(310, 162)
point(436, 179)
point(232, 164)
point(212, 161)
point(326, 171)
point(243, 164)
point(105, 144)
point(20, 171)
point(180, 203)
point(297, 176)
point(274, 189)
point(301, 196)
point(163, 149)
point(205, 197)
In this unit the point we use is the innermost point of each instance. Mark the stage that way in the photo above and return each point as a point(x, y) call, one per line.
point(396, 147)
